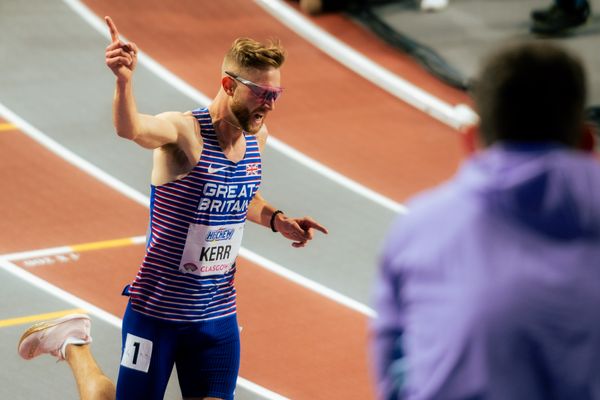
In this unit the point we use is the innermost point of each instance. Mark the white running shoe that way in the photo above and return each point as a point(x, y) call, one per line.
point(52, 337)
point(433, 5)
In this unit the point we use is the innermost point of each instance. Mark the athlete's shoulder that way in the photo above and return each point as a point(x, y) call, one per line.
point(173, 116)
point(187, 126)
point(191, 117)
point(181, 120)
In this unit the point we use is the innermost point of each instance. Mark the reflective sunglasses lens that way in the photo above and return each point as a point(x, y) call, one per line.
point(271, 95)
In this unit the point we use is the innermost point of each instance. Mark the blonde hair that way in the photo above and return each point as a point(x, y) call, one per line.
point(247, 53)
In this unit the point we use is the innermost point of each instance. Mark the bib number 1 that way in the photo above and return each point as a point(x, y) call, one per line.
point(137, 353)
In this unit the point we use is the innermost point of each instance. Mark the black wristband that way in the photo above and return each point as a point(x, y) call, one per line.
point(273, 219)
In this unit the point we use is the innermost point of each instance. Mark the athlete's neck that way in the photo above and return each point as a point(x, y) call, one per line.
point(227, 128)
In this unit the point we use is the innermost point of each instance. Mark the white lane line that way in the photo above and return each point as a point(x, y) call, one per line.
point(337, 177)
point(108, 317)
point(99, 25)
point(121, 187)
point(454, 116)
point(71, 157)
point(58, 292)
point(245, 253)
point(307, 283)
point(201, 99)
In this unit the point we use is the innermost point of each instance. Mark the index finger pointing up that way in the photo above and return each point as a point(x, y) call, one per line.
point(114, 33)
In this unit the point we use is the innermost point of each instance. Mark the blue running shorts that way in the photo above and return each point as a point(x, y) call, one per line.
point(206, 355)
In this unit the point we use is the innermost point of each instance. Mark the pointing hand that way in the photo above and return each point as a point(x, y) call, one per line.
point(299, 230)
point(121, 57)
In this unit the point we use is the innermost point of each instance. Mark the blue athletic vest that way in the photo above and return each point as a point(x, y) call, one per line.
point(196, 227)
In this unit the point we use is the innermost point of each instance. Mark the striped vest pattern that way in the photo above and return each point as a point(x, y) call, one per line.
point(196, 226)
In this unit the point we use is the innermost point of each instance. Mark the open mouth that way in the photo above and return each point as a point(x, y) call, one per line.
point(258, 117)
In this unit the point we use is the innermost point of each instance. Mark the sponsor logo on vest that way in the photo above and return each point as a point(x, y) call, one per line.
point(212, 170)
point(220, 234)
point(214, 253)
point(190, 267)
point(215, 268)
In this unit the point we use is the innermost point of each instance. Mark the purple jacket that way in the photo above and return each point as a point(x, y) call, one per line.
point(490, 287)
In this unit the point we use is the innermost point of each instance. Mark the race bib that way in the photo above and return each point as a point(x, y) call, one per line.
point(137, 353)
point(211, 250)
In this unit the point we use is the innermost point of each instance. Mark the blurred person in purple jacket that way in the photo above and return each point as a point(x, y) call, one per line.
point(489, 288)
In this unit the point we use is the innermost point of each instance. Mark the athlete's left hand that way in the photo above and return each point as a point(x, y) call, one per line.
point(299, 230)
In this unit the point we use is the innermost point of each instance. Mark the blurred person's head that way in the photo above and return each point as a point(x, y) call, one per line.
point(251, 78)
point(531, 92)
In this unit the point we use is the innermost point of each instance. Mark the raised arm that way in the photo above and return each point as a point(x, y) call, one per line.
point(146, 130)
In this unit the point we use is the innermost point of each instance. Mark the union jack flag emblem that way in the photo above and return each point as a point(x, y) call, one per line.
point(252, 169)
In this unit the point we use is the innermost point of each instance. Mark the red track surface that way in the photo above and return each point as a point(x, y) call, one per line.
point(294, 341)
point(388, 57)
point(54, 204)
point(327, 112)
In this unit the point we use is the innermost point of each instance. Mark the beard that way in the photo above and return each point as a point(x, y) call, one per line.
point(245, 118)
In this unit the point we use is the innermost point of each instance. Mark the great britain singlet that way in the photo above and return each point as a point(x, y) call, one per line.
point(196, 228)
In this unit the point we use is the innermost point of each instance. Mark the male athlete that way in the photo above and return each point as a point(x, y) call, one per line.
point(488, 288)
point(205, 179)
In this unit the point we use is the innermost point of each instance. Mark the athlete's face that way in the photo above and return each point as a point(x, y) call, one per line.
point(254, 96)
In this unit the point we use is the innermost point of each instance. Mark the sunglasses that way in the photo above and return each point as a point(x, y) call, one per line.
point(265, 93)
